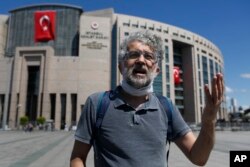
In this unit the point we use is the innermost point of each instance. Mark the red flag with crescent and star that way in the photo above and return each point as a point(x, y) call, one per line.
point(45, 25)
point(177, 79)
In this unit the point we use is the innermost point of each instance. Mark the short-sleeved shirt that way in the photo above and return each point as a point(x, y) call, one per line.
point(129, 137)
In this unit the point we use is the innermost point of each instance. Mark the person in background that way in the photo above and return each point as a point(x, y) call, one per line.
point(135, 129)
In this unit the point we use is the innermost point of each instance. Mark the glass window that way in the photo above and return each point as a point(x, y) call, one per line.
point(165, 31)
point(143, 27)
point(205, 70)
point(168, 90)
point(199, 76)
point(158, 84)
point(126, 24)
point(200, 96)
point(126, 33)
point(211, 64)
point(198, 59)
point(167, 73)
point(166, 54)
point(216, 68)
point(135, 25)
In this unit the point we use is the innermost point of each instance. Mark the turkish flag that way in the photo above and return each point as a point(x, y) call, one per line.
point(44, 25)
point(177, 79)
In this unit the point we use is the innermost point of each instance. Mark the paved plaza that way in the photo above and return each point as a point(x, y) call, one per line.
point(53, 149)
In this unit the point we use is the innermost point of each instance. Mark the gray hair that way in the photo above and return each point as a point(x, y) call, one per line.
point(147, 38)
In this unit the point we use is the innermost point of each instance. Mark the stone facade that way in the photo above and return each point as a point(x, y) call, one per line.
point(44, 79)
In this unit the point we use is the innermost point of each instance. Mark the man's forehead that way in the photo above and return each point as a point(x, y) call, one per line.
point(137, 43)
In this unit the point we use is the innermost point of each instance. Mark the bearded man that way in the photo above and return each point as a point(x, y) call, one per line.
point(135, 129)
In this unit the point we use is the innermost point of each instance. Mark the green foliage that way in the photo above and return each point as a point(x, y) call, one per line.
point(24, 120)
point(40, 120)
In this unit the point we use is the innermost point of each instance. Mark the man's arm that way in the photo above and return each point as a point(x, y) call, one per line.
point(198, 150)
point(79, 154)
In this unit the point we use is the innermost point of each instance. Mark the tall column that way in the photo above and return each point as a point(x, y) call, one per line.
point(46, 106)
point(58, 112)
point(68, 110)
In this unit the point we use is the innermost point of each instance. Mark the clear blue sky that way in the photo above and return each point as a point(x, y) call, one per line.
point(224, 22)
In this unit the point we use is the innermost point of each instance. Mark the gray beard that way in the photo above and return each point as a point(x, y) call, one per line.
point(137, 81)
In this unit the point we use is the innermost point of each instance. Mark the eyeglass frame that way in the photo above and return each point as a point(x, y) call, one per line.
point(153, 55)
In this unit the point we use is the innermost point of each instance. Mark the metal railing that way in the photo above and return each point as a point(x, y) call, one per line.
point(225, 126)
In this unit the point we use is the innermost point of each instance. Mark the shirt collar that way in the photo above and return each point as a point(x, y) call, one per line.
point(150, 104)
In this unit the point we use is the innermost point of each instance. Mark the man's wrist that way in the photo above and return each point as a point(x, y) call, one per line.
point(208, 122)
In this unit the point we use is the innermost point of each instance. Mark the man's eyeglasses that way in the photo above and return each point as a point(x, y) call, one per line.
point(135, 54)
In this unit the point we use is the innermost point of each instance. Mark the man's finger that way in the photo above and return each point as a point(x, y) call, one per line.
point(208, 95)
point(220, 86)
point(214, 90)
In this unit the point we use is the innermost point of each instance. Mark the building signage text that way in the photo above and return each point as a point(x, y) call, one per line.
point(94, 35)
point(94, 45)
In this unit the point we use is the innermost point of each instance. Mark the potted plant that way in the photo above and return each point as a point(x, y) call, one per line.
point(40, 121)
point(24, 121)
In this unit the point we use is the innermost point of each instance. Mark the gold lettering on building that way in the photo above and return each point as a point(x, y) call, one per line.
point(94, 35)
point(94, 45)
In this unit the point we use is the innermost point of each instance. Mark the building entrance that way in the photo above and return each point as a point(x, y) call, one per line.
point(32, 92)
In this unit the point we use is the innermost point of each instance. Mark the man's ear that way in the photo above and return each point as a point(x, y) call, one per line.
point(157, 70)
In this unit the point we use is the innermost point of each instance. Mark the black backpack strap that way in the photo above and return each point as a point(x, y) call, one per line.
point(102, 106)
point(167, 106)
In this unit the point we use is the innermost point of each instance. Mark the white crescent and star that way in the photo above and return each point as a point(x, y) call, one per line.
point(46, 19)
point(176, 71)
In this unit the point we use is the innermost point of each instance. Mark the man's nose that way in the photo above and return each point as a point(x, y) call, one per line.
point(141, 58)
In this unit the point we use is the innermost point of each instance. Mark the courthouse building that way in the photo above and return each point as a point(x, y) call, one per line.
point(52, 56)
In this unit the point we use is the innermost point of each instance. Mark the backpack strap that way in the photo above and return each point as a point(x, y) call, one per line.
point(168, 108)
point(102, 106)
point(165, 102)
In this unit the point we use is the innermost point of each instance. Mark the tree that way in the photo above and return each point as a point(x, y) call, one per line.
point(24, 121)
point(40, 121)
